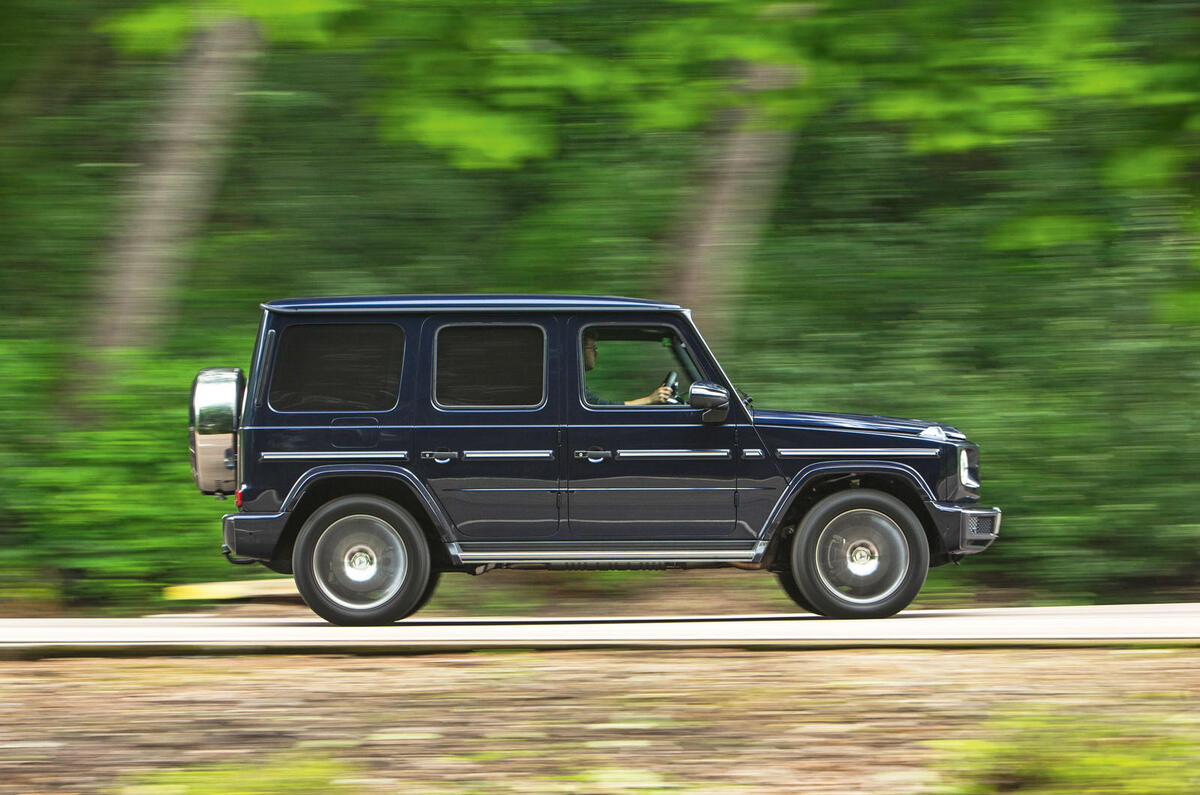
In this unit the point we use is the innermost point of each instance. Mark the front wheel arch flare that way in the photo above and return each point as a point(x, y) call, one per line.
point(819, 485)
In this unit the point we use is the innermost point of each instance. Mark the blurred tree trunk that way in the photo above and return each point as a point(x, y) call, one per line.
point(169, 196)
point(730, 204)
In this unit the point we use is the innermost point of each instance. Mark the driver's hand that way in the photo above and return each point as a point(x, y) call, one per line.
point(661, 395)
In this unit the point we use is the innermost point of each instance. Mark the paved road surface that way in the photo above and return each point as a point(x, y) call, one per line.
point(1163, 624)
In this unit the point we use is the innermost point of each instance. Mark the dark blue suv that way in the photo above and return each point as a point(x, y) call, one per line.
point(381, 441)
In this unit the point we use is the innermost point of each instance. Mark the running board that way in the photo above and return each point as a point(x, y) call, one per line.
point(609, 556)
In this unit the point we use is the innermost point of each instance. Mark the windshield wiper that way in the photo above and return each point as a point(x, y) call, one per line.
point(746, 397)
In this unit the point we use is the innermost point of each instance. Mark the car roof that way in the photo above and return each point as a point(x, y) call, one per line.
point(477, 303)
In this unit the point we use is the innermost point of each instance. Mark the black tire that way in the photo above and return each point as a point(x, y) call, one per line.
point(860, 554)
point(430, 587)
point(788, 583)
point(362, 560)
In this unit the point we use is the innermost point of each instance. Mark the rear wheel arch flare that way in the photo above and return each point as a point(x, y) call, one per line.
point(323, 488)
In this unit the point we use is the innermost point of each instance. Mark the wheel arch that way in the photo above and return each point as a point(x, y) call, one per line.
point(817, 481)
point(322, 484)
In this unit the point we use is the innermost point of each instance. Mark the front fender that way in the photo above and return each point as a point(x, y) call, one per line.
point(809, 474)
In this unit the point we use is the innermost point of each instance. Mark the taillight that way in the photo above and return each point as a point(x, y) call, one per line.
point(237, 498)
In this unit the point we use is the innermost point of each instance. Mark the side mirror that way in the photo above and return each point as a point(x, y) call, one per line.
point(712, 398)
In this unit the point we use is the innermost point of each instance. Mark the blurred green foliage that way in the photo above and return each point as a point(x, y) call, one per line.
point(1042, 754)
point(307, 773)
point(988, 218)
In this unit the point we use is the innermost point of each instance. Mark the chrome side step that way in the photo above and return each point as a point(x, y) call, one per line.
point(609, 556)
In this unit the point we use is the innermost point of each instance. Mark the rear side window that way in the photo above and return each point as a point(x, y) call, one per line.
point(338, 367)
point(490, 365)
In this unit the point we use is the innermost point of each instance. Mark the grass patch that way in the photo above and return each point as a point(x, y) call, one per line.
point(1053, 754)
point(290, 772)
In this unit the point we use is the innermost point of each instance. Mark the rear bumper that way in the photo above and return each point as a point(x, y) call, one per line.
point(965, 530)
point(253, 535)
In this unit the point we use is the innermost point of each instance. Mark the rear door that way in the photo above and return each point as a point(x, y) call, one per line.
point(488, 438)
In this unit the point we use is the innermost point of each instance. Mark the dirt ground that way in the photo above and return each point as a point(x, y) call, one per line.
point(572, 721)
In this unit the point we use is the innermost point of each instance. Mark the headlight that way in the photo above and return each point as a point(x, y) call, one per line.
point(964, 470)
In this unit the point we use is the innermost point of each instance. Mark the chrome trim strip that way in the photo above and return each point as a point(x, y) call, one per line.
point(615, 556)
point(507, 455)
point(673, 454)
point(657, 488)
point(546, 490)
point(753, 452)
point(803, 452)
point(467, 425)
point(836, 429)
point(357, 455)
point(639, 424)
point(625, 488)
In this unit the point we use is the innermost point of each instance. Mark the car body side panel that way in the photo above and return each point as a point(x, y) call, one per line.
point(802, 454)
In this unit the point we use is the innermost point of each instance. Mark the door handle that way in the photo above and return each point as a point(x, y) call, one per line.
point(438, 456)
point(595, 456)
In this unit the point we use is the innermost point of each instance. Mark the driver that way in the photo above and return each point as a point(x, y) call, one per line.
point(661, 394)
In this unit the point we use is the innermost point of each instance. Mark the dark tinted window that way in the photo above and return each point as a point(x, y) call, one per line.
point(490, 365)
point(338, 367)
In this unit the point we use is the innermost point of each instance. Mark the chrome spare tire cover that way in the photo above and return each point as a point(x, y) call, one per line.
point(213, 415)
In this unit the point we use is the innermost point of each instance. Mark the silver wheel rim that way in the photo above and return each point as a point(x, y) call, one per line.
point(360, 562)
point(862, 556)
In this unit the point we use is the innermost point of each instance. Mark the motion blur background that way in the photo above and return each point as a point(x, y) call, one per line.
point(977, 212)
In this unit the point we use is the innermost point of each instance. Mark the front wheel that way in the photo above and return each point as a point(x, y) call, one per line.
point(362, 560)
point(860, 554)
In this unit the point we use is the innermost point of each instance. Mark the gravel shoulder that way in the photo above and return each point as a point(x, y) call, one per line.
point(571, 721)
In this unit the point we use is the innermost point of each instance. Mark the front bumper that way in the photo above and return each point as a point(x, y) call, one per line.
point(965, 529)
point(253, 535)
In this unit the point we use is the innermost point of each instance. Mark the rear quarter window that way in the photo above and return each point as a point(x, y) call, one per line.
point(338, 367)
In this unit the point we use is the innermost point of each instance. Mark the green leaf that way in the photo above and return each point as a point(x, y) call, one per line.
point(472, 135)
point(1148, 167)
point(1043, 231)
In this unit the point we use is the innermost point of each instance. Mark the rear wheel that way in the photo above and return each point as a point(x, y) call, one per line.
point(362, 560)
point(859, 554)
point(788, 583)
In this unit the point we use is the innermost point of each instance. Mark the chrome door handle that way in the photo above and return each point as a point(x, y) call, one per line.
point(438, 456)
point(595, 456)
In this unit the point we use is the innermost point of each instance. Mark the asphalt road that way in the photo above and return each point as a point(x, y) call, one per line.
point(1105, 625)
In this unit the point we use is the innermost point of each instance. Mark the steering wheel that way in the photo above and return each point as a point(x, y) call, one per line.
point(672, 381)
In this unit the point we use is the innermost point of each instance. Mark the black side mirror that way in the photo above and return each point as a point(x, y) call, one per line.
point(711, 397)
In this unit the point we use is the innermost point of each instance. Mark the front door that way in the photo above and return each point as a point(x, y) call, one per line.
point(488, 441)
point(643, 468)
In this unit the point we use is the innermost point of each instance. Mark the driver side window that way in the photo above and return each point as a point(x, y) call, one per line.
point(627, 365)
